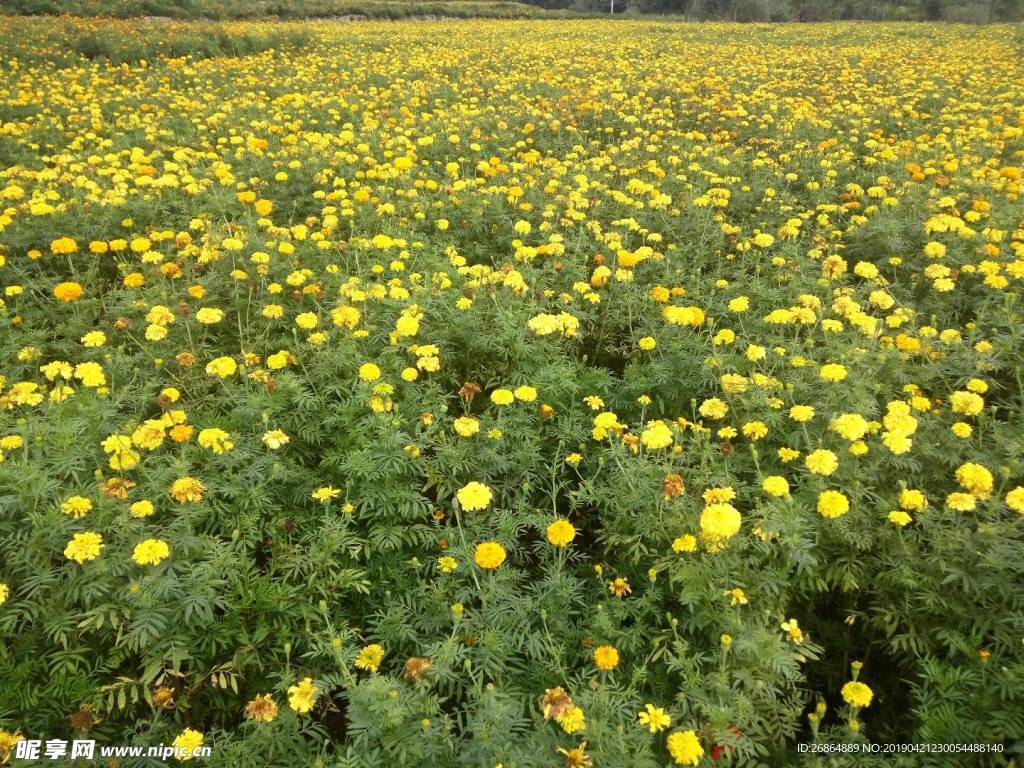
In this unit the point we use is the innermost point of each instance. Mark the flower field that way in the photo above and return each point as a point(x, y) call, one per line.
point(512, 393)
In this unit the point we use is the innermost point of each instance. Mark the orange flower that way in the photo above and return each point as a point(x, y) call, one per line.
point(68, 291)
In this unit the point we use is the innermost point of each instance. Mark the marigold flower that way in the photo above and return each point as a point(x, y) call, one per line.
point(84, 546)
point(186, 489)
point(489, 555)
point(606, 657)
point(685, 748)
point(474, 496)
point(262, 709)
point(857, 694)
point(187, 743)
point(302, 697)
point(370, 658)
point(561, 533)
point(832, 504)
point(151, 552)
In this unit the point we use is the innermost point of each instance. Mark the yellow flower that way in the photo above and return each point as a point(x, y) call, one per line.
point(912, 499)
point(684, 543)
point(447, 564)
point(857, 694)
point(222, 367)
point(186, 489)
point(217, 440)
point(656, 435)
point(561, 533)
point(832, 504)
point(302, 697)
point(793, 631)
point(151, 552)
point(76, 507)
point(573, 721)
point(370, 658)
point(821, 462)
point(606, 657)
point(1015, 499)
point(68, 291)
point(369, 372)
point(275, 439)
point(719, 521)
point(489, 555)
point(655, 718)
point(142, 508)
point(84, 546)
point(187, 744)
point(4, 592)
point(976, 479)
point(832, 372)
point(775, 485)
point(685, 748)
point(325, 493)
point(900, 518)
point(502, 397)
point(474, 496)
point(466, 426)
point(94, 339)
point(209, 315)
point(525, 393)
point(713, 408)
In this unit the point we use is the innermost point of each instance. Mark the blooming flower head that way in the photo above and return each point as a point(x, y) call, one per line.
point(275, 439)
point(303, 696)
point(976, 479)
point(222, 367)
point(857, 694)
point(832, 504)
point(561, 533)
point(76, 507)
point(656, 435)
point(685, 748)
point(151, 552)
point(84, 546)
point(502, 397)
point(655, 718)
point(606, 657)
point(369, 372)
point(720, 521)
point(325, 493)
point(489, 555)
point(217, 440)
point(186, 489)
point(68, 291)
point(821, 462)
point(832, 372)
point(187, 743)
point(474, 496)
point(775, 485)
point(466, 426)
point(370, 657)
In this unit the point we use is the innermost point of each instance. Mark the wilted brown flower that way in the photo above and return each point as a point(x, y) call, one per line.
point(116, 487)
point(163, 697)
point(82, 719)
point(673, 486)
point(262, 708)
point(416, 667)
point(556, 702)
point(469, 391)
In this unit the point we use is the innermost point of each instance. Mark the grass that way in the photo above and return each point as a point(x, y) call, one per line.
point(275, 9)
